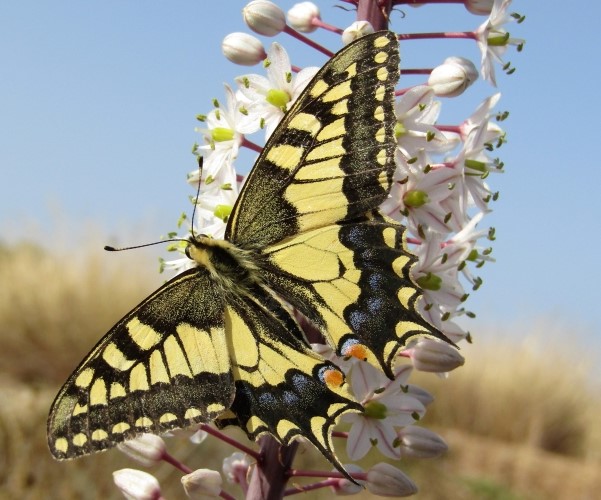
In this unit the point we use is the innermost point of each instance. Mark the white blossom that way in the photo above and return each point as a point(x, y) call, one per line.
point(268, 98)
point(493, 40)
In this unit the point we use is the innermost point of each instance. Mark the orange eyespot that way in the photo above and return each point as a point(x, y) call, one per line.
point(356, 351)
point(333, 377)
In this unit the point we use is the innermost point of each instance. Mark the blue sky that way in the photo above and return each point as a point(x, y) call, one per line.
point(97, 107)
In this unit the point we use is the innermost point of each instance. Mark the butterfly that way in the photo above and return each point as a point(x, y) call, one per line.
point(219, 342)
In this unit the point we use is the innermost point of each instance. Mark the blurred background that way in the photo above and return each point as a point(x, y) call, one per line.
point(97, 107)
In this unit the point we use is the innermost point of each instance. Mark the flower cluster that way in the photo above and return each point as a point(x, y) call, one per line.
point(441, 193)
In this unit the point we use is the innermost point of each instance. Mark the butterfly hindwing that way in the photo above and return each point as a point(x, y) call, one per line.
point(281, 384)
point(332, 156)
point(164, 365)
point(352, 280)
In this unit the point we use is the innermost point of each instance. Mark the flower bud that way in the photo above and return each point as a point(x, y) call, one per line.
point(264, 17)
point(137, 484)
point(479, 7)
point(423, 396)
point(146, 449)
point(386, 480)
point(243, 49)
point(417, 442)
point(198, 436)
point(356, 30)
point(301, 16)
point(235, 465)
point(202, 483)
point(453, 77)
point(344, 487)
point(435, 356)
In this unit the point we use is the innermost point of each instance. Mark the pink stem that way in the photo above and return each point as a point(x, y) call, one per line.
point(251, 145)
point(315, 486)
point(176, 463)
point(470, 35)
point(226, 439)
point(295, 34)
point(320, 24)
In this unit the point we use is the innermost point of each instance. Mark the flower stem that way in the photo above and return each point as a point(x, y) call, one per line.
point(272, 470)
point(470, 35)
point(226, 439)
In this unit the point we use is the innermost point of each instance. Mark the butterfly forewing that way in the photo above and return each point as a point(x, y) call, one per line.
point(332, 156)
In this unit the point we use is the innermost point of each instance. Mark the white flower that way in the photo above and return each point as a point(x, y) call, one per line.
point(475, 167)
point(267, 99)
point(416, 113)
point(418, 193)
point(481, 119)
point(462, 247)
point(437, 278)
point(386, 406)
point(223, 134)
point(137, 484)
point(493, 39)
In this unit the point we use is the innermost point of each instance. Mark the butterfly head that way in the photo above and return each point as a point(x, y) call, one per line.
point(224, 260)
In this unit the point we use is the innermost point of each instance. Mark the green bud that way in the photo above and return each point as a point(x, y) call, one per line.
point(429, 282)
point(415, 198)
point(220, 134)
point(373, 409)
point(277, 98)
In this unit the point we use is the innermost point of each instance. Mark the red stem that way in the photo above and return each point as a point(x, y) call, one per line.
point(226, 439)
point(470, 35)
point(295, 34)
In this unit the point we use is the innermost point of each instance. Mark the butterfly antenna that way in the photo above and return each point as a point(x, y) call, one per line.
point(200, 160)
point(110, 248)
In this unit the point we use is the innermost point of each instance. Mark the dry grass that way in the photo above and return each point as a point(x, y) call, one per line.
point(520, 419)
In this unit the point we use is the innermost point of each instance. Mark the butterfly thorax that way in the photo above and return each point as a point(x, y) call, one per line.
point(224, 260)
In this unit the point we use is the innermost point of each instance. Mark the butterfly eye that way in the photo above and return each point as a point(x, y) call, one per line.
point(331, 376)
point(187, 252)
